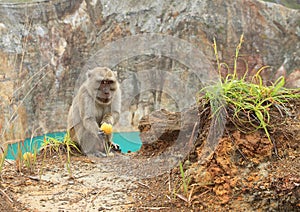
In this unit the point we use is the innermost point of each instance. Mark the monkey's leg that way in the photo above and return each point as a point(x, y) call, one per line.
point(72, 134)
point(92, 144)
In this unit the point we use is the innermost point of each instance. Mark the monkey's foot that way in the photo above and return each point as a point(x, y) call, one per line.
point(110, 154)
point(115, 147)
point(97, 154)
point(102, 154)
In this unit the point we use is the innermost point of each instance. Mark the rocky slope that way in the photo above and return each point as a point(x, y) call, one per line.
point(46, 46)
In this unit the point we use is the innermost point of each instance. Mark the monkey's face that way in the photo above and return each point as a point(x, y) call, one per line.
point(106, 91)
point(104, 84)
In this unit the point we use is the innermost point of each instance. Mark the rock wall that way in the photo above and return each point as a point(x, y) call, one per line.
point(162, 51)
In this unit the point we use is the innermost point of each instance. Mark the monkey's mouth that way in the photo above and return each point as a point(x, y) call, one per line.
point(103, 100)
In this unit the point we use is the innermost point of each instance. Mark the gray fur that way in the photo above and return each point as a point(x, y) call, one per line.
point(88, 110)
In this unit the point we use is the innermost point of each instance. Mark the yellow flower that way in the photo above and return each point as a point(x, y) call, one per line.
point(106, 128)
point(28, 156)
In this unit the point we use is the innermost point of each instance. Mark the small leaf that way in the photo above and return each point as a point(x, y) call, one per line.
point(278, 85)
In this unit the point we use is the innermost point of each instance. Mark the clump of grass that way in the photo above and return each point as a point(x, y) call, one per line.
point(54, 146)
point(29, 159)
point(185, 186)
point(70, 146)
point(250, 101)
point(185, 180)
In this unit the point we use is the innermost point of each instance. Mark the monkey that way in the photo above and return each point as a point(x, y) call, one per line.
point(98, 101)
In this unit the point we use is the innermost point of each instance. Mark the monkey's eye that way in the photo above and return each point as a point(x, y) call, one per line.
point(103, 82)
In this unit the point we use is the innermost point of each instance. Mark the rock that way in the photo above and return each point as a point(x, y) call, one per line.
point(165, 132)
point(46, 46)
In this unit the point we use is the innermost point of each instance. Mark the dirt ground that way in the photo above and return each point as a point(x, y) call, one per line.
point(247, 172)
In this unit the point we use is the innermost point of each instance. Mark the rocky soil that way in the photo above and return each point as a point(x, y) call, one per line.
point(246, 173)
point(46, 47)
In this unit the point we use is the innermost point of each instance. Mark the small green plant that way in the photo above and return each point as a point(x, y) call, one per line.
point(52, 145)
point(69, 146)
point(252, 100)
point(19, 158)
point(107, 145)
point(29, 158)
point(185, 181)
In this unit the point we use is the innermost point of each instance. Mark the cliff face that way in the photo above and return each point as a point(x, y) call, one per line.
point(161, 49)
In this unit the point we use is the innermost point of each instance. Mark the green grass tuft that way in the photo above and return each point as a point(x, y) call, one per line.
point(250, 101)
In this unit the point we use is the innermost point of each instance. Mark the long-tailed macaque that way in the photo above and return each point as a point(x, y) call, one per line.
point(98, 101)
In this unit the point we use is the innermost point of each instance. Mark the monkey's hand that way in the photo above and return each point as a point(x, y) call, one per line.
point(106, 128)
point(108, 119)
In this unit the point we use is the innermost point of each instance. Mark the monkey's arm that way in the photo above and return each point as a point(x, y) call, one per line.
point(87, 112)
point(113, 116)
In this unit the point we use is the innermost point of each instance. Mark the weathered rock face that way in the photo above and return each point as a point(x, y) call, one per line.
point(161, 49)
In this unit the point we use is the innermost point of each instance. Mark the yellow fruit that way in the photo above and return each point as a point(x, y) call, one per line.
point(106, 128)
point(28, 156)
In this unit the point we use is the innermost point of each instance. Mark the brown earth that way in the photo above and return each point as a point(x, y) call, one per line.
point(247, 172)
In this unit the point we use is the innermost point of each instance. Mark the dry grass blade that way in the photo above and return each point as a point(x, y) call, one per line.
point(182, 197)
point(6, 196)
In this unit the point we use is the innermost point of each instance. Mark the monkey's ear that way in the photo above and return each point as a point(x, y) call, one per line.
point(89, 73)
point(115, 73)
